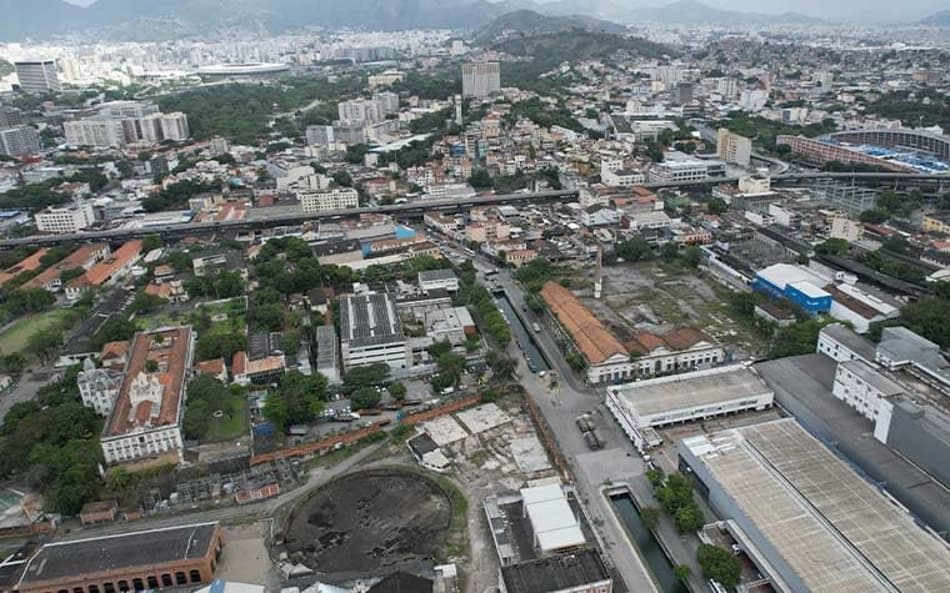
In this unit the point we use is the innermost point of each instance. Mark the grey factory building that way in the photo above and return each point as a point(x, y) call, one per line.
point(820, 525)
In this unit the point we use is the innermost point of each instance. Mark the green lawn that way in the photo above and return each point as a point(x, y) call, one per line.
point(15, 337)
point(233, 424)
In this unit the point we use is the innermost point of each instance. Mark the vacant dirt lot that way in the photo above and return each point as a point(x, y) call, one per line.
point(367, 521)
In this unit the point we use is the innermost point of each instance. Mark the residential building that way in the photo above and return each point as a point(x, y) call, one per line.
point(753, 100)
point(338, 198)
point(843, 227)
point(438, 279)
point(806, 518)
point(27, 264)
point(733, 148)
point(38, 76)
point(938, 222)
point(100, 133)
point(578, 572)
point(160, 558)
point(83, 258)
point(328, 353)
point(613, 174)
point(64, 219)
point(481, 79)
point(371, 332)
point(19, 141)
point(489, 230)
point(642, 407)
point(145, 421)
point(320, 136)
point(113, 268)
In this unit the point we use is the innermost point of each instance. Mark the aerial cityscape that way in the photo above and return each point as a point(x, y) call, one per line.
point(470, 296)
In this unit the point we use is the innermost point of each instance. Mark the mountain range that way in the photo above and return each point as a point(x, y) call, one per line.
point(157, 19)
point(937, 19)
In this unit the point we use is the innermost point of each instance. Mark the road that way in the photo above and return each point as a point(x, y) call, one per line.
point(417, 209)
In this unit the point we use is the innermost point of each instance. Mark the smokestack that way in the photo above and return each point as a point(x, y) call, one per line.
point(599, 273)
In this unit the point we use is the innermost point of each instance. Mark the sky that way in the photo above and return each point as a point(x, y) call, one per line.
point(850, 10)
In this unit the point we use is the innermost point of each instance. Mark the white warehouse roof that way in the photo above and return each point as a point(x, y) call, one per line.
point(555, 526)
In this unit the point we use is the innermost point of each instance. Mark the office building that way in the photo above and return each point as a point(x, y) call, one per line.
point(733, 148)
point(145, 420)
point(678, 168)
point(643, 406)
point(324, 200)
point(813, 522)
point(481, 79)
point(371, 332)
point(152, 559)
point(38, 76)
point(19, 141)
point(64, 219)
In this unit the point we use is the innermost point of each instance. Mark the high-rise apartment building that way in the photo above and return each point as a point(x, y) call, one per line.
point(481, 79)
point(127, 122)
point(38, 76)
point(95, 132)
point(360, 111)
point(733, 148)
point(19, 141)
point(64, 219)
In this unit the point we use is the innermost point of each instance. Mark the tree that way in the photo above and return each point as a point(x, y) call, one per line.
point(688, 519)
point(152, 242)
point(117, 329)
point(833, 247)
point(576, 361)
point(398, 391)
point(634, 249)
point(365, 397)
point(928, 317)
point(717, 206)
point(874, 216)
point(151, 366)
point(480, 179)
point(145, 303)
point(502, 365)
point(45, 344)
point(268, 317)
point(719, 565)
point(343, 178)
point(366, 376)
point(210, 346)
point(681, 572)
point(298, 399)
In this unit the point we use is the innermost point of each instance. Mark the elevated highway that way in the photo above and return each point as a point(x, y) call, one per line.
point(417, 209)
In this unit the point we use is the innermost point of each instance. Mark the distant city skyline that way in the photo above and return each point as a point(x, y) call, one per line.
point(846, 10)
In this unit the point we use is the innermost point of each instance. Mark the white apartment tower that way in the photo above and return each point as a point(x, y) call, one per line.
point(481, 79)
point(38, 76)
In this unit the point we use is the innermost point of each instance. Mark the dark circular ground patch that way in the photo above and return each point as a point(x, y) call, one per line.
point(367, 521)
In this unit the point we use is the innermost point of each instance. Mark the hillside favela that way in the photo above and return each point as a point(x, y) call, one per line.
point(474, 296)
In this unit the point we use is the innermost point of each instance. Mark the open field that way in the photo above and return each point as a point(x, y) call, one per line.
point(646, 297)
point(15, 337)
point(233, 424)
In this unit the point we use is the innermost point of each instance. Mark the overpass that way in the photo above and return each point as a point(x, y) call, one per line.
point(417, 209)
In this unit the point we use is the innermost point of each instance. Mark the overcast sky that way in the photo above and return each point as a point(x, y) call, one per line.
point(849, 10)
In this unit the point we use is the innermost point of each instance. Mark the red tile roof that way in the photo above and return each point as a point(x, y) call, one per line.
point(172, 355)
point(103, 271)
point(28, 264)
point(594, 340)
point(77, 259)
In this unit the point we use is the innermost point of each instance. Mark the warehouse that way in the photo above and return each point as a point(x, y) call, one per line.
point(642, 406)
point(818, 523)
point(795, 283)
point(371, 332)
point(152, 559)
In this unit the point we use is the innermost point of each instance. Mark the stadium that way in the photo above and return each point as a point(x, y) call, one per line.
point(900, 150)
